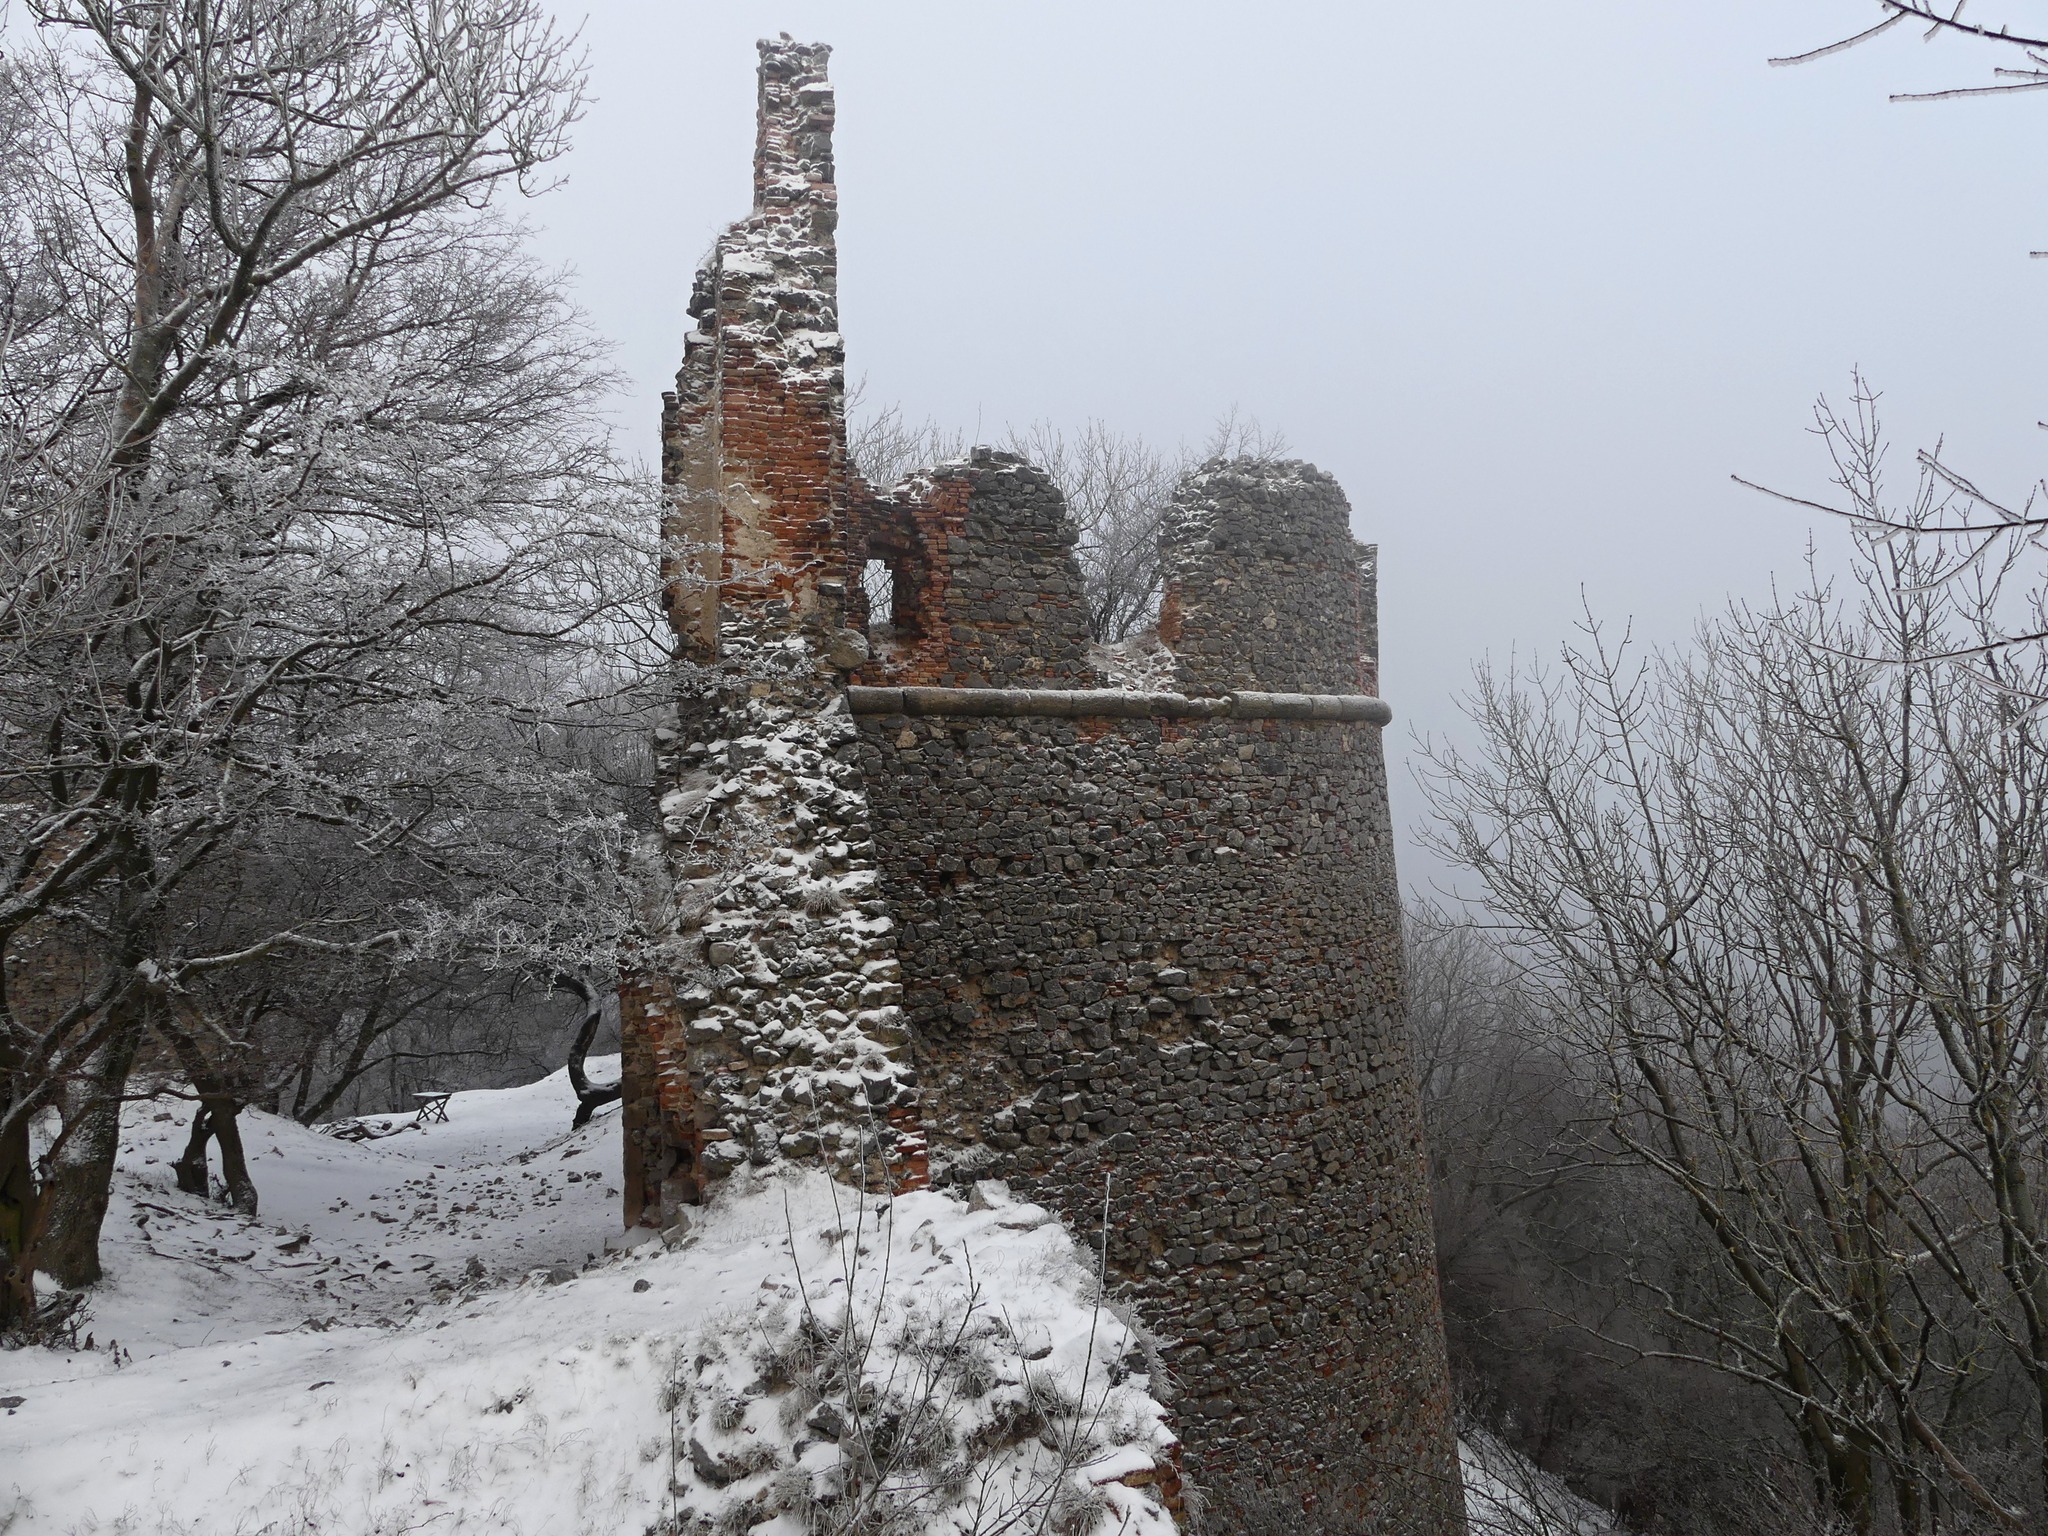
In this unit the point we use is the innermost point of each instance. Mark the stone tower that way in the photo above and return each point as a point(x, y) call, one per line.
point(939, 902)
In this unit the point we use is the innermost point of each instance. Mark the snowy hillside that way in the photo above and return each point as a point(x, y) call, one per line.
point(350, 1231)
point(1506, 1495)
point(425, 1331)
point(317, 1372)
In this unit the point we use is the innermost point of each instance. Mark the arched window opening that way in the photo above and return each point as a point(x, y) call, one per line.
point(879, 582)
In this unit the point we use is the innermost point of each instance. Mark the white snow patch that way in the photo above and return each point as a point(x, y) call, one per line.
point(1140, 663)
point(349, 1231)
point(305, 1373)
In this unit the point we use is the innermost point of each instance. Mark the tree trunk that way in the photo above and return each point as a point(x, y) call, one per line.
point(190, 1168)
point(234, 1167)
point(368, 1032)
point(589, 1098)
point(82, 1173)
point(17, 1211)
point(219, 1104)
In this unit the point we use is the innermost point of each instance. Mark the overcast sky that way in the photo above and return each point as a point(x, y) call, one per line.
point(1531, 279)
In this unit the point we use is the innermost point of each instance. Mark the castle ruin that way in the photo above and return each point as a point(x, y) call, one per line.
point(940, 902)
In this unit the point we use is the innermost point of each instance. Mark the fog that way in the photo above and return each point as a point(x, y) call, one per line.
point(1533, 281)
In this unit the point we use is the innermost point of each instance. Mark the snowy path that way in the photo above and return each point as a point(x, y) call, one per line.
point(348, 1231)
point(414, 1337)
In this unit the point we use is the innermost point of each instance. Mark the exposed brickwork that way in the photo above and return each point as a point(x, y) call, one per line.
point(946, 907)
point(754, 438)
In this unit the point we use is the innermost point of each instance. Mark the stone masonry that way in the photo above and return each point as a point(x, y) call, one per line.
point(938, 902)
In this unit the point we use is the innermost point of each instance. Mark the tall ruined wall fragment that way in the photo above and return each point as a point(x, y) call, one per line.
point(928, 884)
point(754, 437)
point(761, 1019)
point(1265, 586)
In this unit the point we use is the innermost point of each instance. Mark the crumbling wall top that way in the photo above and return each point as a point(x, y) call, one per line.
point(1264, 586)
point(793, 138)
point(983, 588)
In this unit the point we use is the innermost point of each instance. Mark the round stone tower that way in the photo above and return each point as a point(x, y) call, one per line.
point(936, 900)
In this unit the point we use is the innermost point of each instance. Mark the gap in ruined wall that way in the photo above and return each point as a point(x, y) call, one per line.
point(879, 582)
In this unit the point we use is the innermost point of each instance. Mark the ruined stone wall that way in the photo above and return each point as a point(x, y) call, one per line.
point(756, 1014)
point(1152, 951)
point(987, 592)
point(1265, 586)
point(936, 887)
point(1165, 953)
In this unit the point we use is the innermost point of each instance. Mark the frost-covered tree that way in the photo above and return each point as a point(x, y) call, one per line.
point(2021, 46)
point(316, 557)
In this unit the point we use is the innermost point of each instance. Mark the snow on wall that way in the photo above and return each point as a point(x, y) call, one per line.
point(754, 435)
point(761, 1021)
point(790, 1038)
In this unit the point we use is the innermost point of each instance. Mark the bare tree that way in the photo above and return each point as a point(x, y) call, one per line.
point(1984, 547)
point(1117, 487)
point(1962, 530)
point(1238, 435)
point(884, 445)
point(1500, 1102)
point(1553, 1256)
point(590, 1097)
point(1782, 893)
point(1933, 19)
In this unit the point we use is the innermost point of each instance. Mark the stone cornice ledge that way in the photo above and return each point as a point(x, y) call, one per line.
point(1116, 703)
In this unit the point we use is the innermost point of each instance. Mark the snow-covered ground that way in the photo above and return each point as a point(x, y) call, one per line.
point(425, 1332)
point(349, 1231)
point(1505, 1495)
